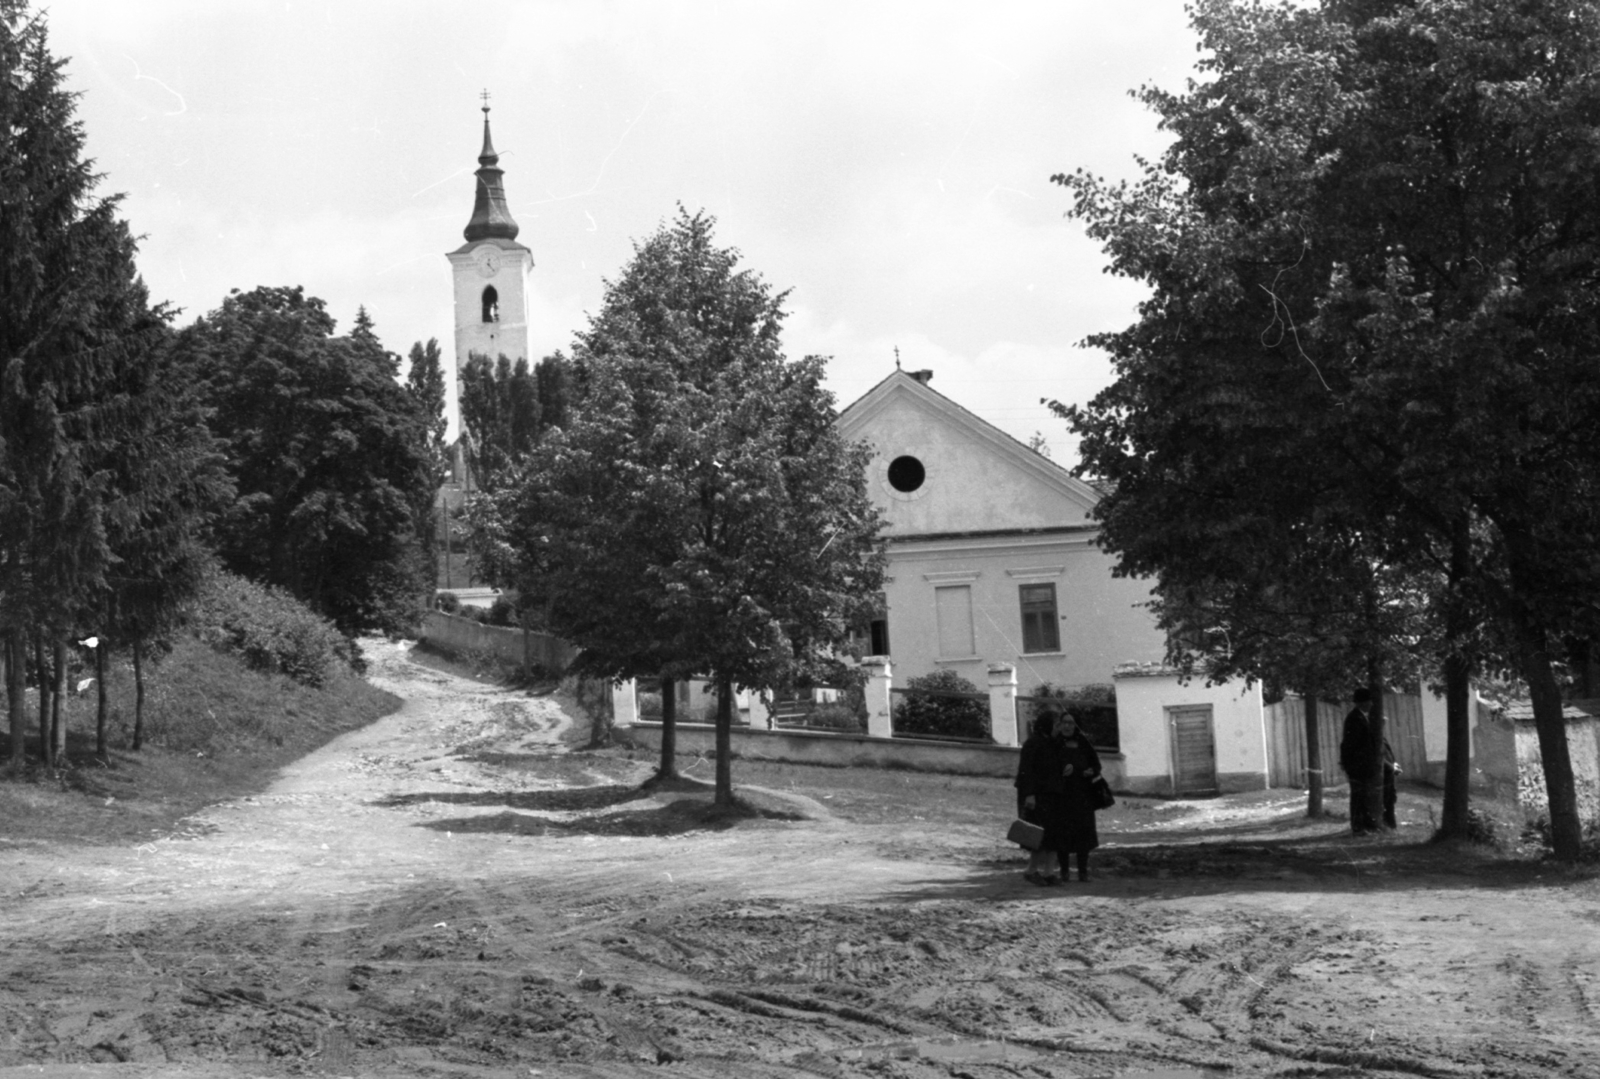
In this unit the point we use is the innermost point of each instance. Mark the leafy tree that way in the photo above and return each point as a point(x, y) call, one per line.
point(699, 513)
point(328, 453)
point(1372, 254)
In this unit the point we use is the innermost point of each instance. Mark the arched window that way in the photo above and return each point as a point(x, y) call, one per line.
point(491, 304)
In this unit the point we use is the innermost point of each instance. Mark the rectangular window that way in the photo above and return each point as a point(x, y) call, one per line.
point(878, 637)
point(1041, 632)
point(953, 606)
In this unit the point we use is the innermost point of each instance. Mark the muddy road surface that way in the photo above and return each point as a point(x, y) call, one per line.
point(456, 891)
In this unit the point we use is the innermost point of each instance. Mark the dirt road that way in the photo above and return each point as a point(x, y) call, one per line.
point(451, 892)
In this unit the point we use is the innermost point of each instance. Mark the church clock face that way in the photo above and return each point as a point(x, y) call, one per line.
point(488, 259)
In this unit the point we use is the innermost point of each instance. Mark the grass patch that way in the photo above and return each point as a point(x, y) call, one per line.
point(214, 729)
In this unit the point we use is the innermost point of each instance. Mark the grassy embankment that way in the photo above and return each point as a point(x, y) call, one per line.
point(220, 720)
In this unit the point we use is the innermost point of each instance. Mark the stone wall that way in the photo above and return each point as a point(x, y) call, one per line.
point(462, 636)
point(851, 750)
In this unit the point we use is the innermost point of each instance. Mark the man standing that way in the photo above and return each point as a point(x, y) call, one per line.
point(1356, 758)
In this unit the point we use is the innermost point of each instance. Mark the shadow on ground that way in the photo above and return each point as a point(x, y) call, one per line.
point(670, 808)
point(1331, 864)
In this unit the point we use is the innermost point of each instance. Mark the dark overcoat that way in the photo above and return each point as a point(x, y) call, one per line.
point(1063, 803)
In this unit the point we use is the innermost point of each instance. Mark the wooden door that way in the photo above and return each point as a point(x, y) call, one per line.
point(1194, 750)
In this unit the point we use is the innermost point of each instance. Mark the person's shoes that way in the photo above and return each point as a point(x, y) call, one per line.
point(1083, 875)
point(1033, 877)
point(1051, 881)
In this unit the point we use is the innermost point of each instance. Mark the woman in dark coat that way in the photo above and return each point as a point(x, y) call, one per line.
point(1060, 779)
point(1041, 862)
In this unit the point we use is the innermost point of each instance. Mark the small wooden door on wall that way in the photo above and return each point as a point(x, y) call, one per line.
point(1194, 750)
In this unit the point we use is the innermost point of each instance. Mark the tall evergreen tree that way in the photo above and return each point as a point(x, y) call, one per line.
point(77, 340)
point(505, 408)
point(169, 482)
point(425, 382)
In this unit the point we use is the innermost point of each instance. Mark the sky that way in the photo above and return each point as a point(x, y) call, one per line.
point(888, 162)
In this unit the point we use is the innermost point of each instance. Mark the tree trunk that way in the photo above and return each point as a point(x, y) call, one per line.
point(668, 768)
point(1377, 725)
point(724, 796)
point(100, 709)
point(1314, 780)
point(58, 713)
point(16, 701)
point(1566, 831)
point(44, 681)
point(138, 694)
point(1458, 748)
point(444, 517)
point(1457, 692)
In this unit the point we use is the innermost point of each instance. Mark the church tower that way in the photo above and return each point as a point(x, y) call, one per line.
point(490, 271)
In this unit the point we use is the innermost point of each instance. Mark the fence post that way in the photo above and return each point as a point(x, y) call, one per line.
point(1003, 704)
point(625, 702)
point(880, 705)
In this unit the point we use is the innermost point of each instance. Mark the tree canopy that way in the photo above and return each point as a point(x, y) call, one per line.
point(700, 514)
point(1371, 249)
point(328, 452)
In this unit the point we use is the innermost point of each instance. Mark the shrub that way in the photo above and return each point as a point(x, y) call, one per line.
point(835, 716)
point(1094, 707)
point(1482, 828)
point(503, 612)
point(271, 630)
point(920, 713)
point(448, 602)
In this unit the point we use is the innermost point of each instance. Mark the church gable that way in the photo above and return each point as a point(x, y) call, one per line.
point(937, 468)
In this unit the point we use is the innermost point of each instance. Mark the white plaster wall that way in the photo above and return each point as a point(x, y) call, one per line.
point(970, 483)
point(1142, 726)
point(510, 334)
point(1237, 719)
point(1101, 618)
point(1435, 731)
point(1583, 749)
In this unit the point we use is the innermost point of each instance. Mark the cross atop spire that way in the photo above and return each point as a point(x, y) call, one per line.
point(485, 96)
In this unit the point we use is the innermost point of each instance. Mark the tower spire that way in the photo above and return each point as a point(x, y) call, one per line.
point(491, 217)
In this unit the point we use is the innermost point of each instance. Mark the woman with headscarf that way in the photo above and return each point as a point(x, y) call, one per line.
point(1061, 778)
point(1043, 867)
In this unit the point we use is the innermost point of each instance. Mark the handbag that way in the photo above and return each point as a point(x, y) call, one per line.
point(1100, 795)
point(1025, 834)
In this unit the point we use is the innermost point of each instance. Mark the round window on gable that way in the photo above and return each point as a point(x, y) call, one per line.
point(906, 474)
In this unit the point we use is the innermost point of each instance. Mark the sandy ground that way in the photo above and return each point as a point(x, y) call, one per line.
point(451, 892)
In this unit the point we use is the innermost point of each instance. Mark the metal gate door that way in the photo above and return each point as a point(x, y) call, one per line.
point(1194, 750)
